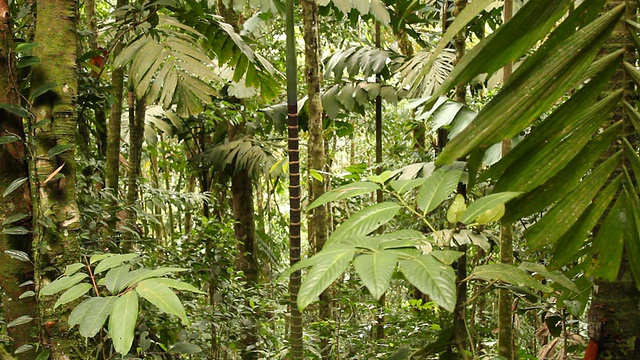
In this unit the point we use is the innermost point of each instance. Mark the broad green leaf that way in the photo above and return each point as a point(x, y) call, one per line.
point(59, 149)
point(18, 255)
point(16, 110)
point(524, 98)
point(27, 61)
point(78, 312)
point(446, 257)
point(344, 192)
point(7, 139)
point(122, 323)
point(113, 261)
point(185, 348)
point(563, 215)
point(555, 128)
point(62, 283)
point(136, 276)
point(364, 221)
point(439, 186)
point(606, 251)
point(566, 180)
point(327, 252)
point(44, 355)
point(546, 161)
point(632, 240)
point(72, 294)
point(321, 275)
point(21, 320)
point(375, 270)
point(163, 297)
point(567, 248)
point(96, 315)
point(98, 257)
point(509, 42)
point(72, 269)
point(457, 208)
point(486, 203)
point(15, 184)
point(491, 215)
point(402, 186)
point(509, 274)
point(555, 275)
point(114, 276)
point(432, 278)
point(16, 230)
point(42, 89)
point(179, 285)
point(15, 218)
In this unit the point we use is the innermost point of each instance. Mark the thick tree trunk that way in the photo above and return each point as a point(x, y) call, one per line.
point(56, 241)
point(13, 165)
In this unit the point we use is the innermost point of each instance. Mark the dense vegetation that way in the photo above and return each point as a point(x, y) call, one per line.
point(344, 179)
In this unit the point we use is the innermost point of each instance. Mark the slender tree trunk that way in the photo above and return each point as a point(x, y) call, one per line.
point(99, 111)
point(295, 335)
point(317, 228)
point(137, 111)
point(56, 241)
point(13, 165)
point(506, 345)
point(614, 329)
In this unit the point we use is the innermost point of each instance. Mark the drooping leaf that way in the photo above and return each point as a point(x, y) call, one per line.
point(163, 297)
point(375, 270)
point(16, 110)
point(114, 276)
point(432, 278)
point(527, 96)
point(486, 203)
point(364, 221)
point(327, 252)
point(439, 186)
point(96, 315)
point(606, 251)
point(122, 323)
point(321, 275)
point(15, 184)
point(113, 261)
point(62, 283)
point(555, 275)
point(72, 294)
point(344, 192)
point(509, 274)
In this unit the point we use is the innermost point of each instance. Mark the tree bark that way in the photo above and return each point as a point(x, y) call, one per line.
point(56, 242)
point(13, 165)
point(137, 111)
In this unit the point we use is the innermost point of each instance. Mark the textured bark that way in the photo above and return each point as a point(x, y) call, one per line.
point(614, 312)
point(137, 110)
point(99, 111)
point(317, 218)
point(13, 165)
point(56, 242)
point(295, 335)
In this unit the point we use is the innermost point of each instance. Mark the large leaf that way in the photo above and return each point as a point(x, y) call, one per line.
point(122, 323)
point(375, 270)
point(439, 186)
point(344, 192)
point(606, 251)
point(559, 220)
point(432, 278)
point(321, 275)
point(114, 276)
point(96, 315)
point(525, 97)
point(113, 261)
point(72, 294)
point(509, 274)
point(328, 252)
point(364, 221)
point(555, 275)
point(163, 297)
point(179, 285)
point(486, 203)
point(62, 283)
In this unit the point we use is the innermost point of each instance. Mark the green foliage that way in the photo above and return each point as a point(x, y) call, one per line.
point(115, 295)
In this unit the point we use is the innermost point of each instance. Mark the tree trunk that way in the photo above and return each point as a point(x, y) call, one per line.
point(13, 165)
point(614, 329)
point(295, 335)
point(137, 111)
point(56, 242)
point(317, 228)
